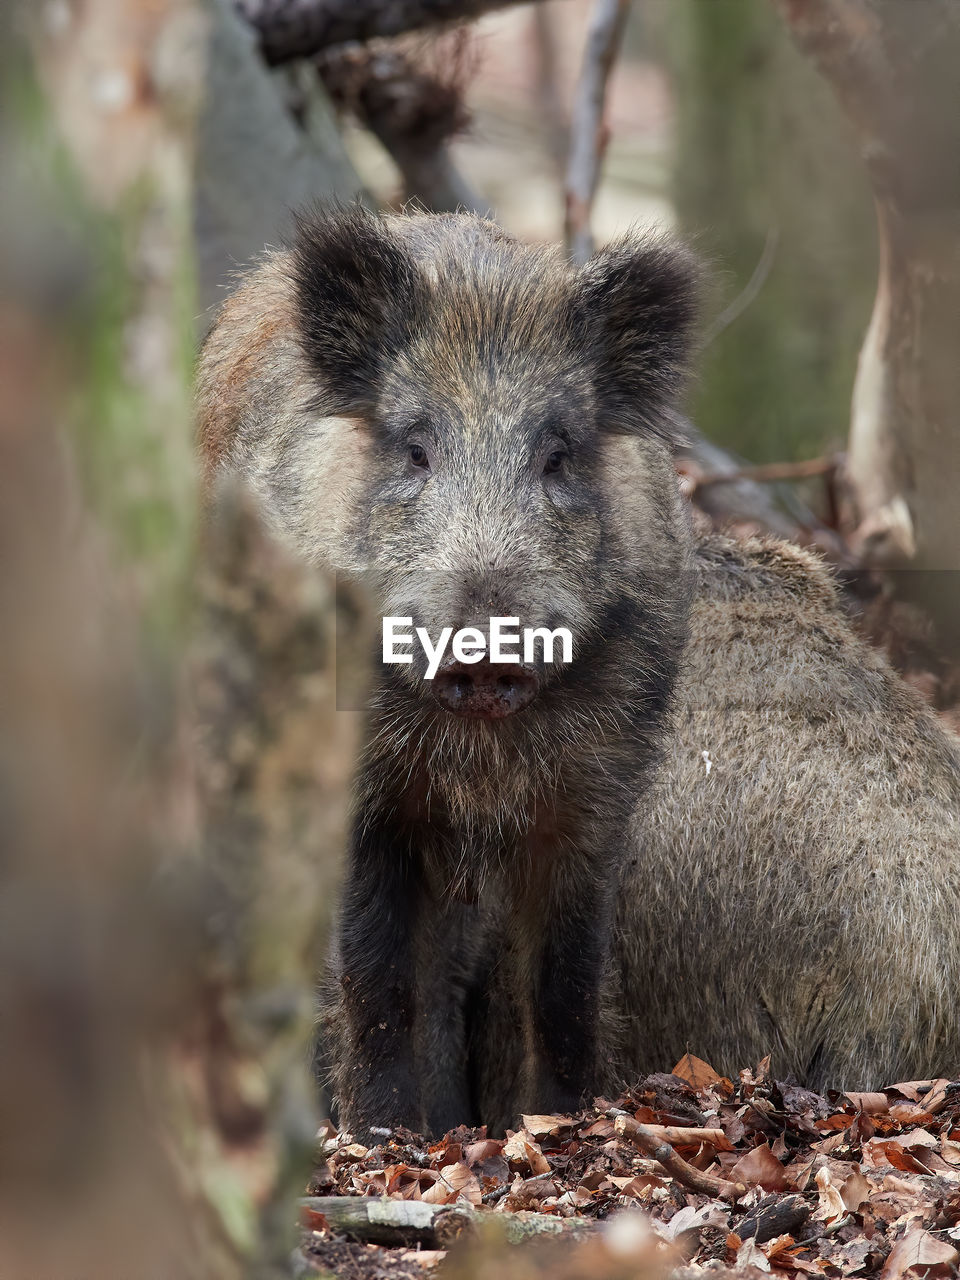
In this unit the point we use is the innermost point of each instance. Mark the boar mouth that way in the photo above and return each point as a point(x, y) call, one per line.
point(485, 690)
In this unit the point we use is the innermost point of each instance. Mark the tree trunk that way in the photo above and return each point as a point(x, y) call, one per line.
point(165, 884)
point(768, 186)
point(254, 164)
point(893, 68)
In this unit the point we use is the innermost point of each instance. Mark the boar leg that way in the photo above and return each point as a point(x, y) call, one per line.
point(379, 1084)
point(449, 946)
point(567, 1001)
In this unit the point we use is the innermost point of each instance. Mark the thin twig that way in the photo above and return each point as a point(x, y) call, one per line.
point(750, 290)
point(588, 136)
point(830, 1230)
point(653, 1145)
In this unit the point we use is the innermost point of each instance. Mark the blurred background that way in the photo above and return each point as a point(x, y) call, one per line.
point(173, 775)
point(720, 127)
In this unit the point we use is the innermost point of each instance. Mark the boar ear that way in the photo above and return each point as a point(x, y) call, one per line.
point(639, 303)
point(358, 294)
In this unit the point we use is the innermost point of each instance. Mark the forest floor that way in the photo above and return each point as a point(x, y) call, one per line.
point(765, 1178)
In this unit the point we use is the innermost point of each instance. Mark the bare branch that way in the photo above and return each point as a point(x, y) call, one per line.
point(413, 103)
point(732, 497)
point(689, 1135)
point(291, 29)
point(588, 135)
point(890, 65)
point(652, 1144)
point(772, 472)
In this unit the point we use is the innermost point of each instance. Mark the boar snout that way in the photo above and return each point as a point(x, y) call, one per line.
point(485, 690)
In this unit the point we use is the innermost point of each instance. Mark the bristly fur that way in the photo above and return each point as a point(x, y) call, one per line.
point(639, 298)
point(364, 292)
point(811, 874)
point(488, 861)
point(358, 297)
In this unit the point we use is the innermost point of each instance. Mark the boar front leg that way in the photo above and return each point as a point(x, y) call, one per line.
point(378, 1077)
point(567, 999)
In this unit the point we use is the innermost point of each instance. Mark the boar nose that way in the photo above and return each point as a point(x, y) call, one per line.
point(484, 690)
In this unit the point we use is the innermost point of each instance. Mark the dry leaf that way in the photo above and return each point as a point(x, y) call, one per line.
point(936, 1096)
point(690, 1218)
point(917, 1138)
point(918, 1250)
point(353, 1151)
point(854, 1190)
point(782, 1252)
point(853, 1256)
point(455, 1182)
point(695, 1071)
point(871, 1104)
point(880, 1152)
point(911, 1088)
point(602, 1128)
point(751, 1255)
point(421, 1257)
point(520, 1147)
point(931, 1094)
point(637, 1186)
point(831, 1204)
point(761, 1168)
point(313, 1220)
point(539, 1126)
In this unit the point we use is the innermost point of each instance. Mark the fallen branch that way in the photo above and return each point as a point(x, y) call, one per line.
point(732, 497)
point(377, 1220)
point(588, 137)
point(771, 472)
point(291, 29)
point(653, 1145)
point(774, 1216)
point(684, 1135)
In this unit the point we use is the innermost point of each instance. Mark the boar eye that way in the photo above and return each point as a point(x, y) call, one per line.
point(554, 462)
point(418, 456)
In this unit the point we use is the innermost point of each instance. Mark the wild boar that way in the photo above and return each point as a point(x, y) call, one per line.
point(482, 431)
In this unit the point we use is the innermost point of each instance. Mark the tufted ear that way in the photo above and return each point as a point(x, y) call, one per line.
point(358, 299)
point(638, 301)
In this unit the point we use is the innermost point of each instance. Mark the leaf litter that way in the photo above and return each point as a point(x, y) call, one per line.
point(836, 1185)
